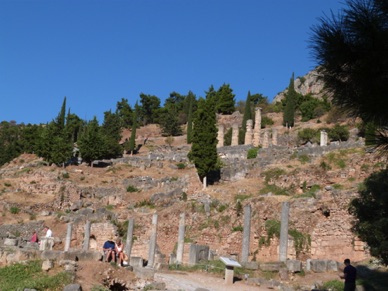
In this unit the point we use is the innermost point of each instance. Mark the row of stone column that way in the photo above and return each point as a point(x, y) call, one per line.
point(252, 134)
point(181, 235)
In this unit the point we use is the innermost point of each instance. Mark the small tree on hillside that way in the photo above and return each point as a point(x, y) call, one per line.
point(203, 151)
point(289, 109)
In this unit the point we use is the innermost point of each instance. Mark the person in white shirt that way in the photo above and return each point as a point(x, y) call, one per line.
point(49, 233)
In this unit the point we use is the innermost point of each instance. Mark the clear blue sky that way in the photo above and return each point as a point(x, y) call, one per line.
point(97, 52)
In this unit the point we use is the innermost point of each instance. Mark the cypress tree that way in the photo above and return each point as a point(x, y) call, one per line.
point(289, 109)
point(203, 151)
point(190, 118)
point(132, 141)
point(247, 115)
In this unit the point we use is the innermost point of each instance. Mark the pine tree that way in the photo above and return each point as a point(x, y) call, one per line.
point(289, 109)
point(225, 100)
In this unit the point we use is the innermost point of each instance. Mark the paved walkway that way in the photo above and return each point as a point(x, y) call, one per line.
point(186, 281)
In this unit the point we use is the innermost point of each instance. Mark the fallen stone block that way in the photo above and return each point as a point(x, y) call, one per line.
point(271, 267)
point(294, 265)
point(250, 265)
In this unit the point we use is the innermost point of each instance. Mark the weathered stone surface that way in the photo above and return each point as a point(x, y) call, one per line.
point(318, 266)
point(72, 287)
point(271, 267)
point(10, 242)
point(79, 255)
point(52, 255)
point(155, 286)
point(136, 262)
point(283, 274)
point(250, 265)
point(332, 266)
point(47, 265)
point(144, 273)
point(294, 265)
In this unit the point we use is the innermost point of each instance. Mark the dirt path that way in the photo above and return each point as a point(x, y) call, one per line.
point(192, 281)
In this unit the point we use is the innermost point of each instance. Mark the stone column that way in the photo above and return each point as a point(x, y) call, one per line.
point(152, 246)
point(265, 140)
point(181, 239)
point(249, 132)
point(128, 243)
point(257, 129)
point(284, 232)
point(220, 136)
point(323, 142)
point(246, 234)
point(274, 137)
point(68, 236)
point(86, 236)
point(234, 134)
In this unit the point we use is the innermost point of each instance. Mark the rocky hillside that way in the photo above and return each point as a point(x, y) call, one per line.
point(308, 84)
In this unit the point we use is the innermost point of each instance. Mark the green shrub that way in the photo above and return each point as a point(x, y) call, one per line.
point(265, 120)
point(274, 173)
point(334, 285)
point(252, 153)
point(237, 228)
point(274, 189)
point(181, 166)
point(145, 203)
point(14, 210)
point(304, 159)
point(341, 164)
point(66, 175)
point(308, 135)
point(131, 189)
point(338, 132)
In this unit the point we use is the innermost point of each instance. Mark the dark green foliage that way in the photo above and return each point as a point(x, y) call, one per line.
point(148, 111)
point(9, 136)
point(338, 133)
point(266, 121)
point(54, 145)
point(252, 153)
point(225, 100)
point(313, 108)
point(308, 135)
point(351, 50)
point(168, 120)
point(290, 105)
point(73, 127)
point(191, 98)
point(131, 188)
point(247, 112)
point(130, 145)
point(371, 211)
point(94, 144)
point(124, 111)
point(203, 151)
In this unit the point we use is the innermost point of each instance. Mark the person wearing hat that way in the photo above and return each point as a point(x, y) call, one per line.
point(109, 249)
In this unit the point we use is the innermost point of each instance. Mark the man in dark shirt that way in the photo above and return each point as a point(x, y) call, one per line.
point(350, 274)
point(109, 250)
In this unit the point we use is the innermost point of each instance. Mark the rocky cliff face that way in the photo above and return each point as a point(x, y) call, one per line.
point(308, 84)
